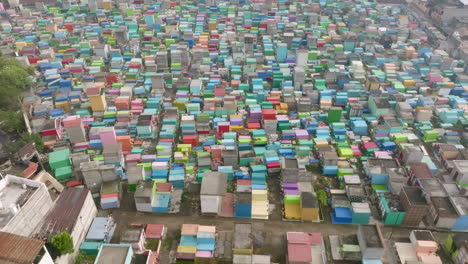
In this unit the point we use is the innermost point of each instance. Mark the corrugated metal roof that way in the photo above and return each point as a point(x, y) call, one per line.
point(63, 216)
point(18, 249)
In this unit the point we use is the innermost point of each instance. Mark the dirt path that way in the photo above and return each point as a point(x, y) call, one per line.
point(273, 231)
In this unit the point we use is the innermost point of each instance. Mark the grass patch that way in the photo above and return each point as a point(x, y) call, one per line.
point(152, 244)
point(167, 244)
point(83, 258)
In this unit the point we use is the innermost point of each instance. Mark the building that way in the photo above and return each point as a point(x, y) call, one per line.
point(156, 231)
point(459, 172)
point(443, 12)
point(378, 170)
point(411, 154)
point(73, 212)
point(23, 205)
point(134, 236)
point(425, 246)
point(415, 205)
point(213, 189)
point(115, 254)
point(16, 249)
point(371, 242)
point(310, 210)
point(460, 203)
point(442, 212)
point(143, 194)
point(418, 170)
point(379, 106)
point(101, 230)
point(391, 209)
point(52, 184)
point(422, 248)
point(305, 248)
point(243, 241)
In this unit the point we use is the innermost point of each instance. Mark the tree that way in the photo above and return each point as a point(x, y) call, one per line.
point(322, 197)
point(14, 77)
point(63, 242)
point(24, 139)
point(11, 121)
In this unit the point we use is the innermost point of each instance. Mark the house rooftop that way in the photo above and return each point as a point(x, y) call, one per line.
point(299, 253)
point(154, 230)
point(432, 187)
point(423, 235)
point(14, 193)
point(415, 195)
point(64, 215)
point(144, 189)
point(453, 189)
point(462, 165)
point(461, 204)
point(386, 163)
point(243, 236)
point(444, 207)
point(16, 249)
point(371, 236)
point(381, 102)
point(304, 238)
point(115, 254)
point(421, 170)
point(214, 183)
point(131, 235)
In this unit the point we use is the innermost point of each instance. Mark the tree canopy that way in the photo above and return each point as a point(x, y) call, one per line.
point(63, 242)
point(11, 121)
point(24, 139)
point(14, 77)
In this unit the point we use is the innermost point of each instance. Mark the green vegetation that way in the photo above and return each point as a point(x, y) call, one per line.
point(83, 258)
point(63, 242)
point(322, 197)
point(24, 139)
point(14, 77)
point(152, 244)
point(11, 121)
point(167, 244)
point(184, 198)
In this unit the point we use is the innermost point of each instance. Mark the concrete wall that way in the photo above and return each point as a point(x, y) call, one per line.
point(210, 204)
point(46, 259)
point(45, 177)
point(445, 222)
point(368, 252)
point(25, 222)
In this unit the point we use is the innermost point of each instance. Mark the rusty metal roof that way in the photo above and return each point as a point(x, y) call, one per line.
point(65, 213)
point(18, 249)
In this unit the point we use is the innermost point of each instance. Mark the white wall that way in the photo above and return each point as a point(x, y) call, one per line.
point(25, 222)
point(46, 259)
point(210, 204)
